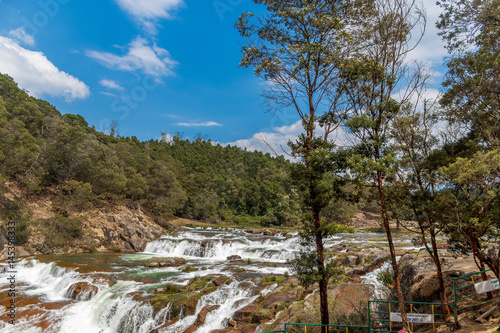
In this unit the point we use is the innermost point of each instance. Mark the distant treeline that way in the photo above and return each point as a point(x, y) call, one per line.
point(40, 148)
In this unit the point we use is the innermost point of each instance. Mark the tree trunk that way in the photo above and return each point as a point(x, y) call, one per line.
point(395, 265)
point(323, 283)
point(477, 253)
point(437, 262)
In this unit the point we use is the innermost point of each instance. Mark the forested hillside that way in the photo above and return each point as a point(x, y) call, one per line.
point(41, 149)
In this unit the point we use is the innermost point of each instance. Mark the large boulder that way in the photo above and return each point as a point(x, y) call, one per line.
point(426, 289)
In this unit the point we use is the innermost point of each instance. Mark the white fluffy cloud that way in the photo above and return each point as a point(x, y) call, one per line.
point(22, 36)
point(276, 140)
point(150, 59)
point(110, 84)
point(148, 12)
point(34, 72)
point(203, 124)
point(431, 49)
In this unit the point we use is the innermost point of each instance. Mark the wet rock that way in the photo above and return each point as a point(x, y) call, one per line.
point(200, 319)
point(408, 257)
point(245, 314)
point(233, 258)
point(165, 262)
point(82, 291)
point(229, 322)
point(159, 291)
point(220, 280)
point(378, 257)
point(240, 302)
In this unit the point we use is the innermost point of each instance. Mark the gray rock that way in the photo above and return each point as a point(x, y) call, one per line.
point(379, 257)
point(349, 261)
point(361, 258)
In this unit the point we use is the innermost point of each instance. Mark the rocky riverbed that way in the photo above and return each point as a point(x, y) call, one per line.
point(208, 280)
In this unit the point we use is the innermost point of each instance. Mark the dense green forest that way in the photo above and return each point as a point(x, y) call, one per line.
point(40, 148)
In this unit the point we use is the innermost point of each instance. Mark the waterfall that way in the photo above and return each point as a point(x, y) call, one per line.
point(120, 286)
point(380, 292)
point(218, 246)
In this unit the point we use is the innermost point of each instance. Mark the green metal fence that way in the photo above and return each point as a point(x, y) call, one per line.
point(319, 328)
point(465, 295)
point(379, 312)
point(379, 315)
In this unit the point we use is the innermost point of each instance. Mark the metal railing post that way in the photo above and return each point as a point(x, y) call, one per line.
point(455, 306)
point(369, 318)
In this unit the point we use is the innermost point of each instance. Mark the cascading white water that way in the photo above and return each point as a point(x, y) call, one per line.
point(47, 279)
point(218, 246)
point(380, 292)
point(111, 310)
point(119, 303)
point(230, 298)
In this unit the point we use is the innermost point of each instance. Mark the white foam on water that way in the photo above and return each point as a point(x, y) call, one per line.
point(47, 279)
point(219, 246)
point(230, 298)
point(380, 292)
point(112, 310)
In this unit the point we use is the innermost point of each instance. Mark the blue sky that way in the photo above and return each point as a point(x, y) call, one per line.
point(153, 66)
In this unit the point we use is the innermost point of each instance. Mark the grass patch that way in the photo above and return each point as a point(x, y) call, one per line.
point(189, 269)
point(271, 279)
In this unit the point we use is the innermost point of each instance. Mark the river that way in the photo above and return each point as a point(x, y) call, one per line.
point(122, 285)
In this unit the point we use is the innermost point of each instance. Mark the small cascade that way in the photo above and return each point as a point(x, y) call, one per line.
point(380, 292)
point(48, 279)
point(219, 245)
point(230, 298)
point(112, 310)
